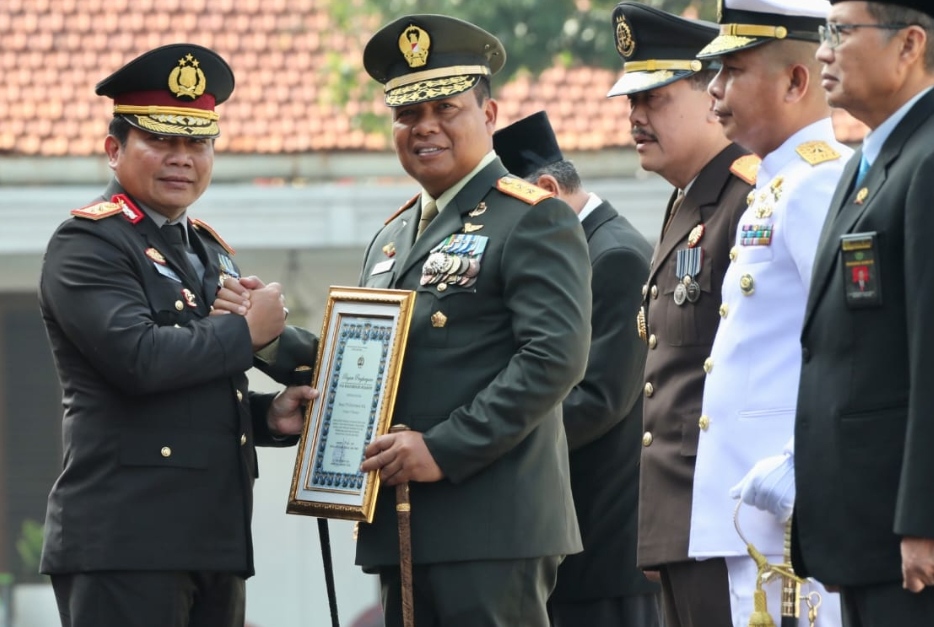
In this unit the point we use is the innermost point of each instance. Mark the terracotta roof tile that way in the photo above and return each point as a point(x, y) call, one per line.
point(54, 51)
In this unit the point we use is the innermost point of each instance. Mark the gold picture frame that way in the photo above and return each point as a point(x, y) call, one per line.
point(360, 354)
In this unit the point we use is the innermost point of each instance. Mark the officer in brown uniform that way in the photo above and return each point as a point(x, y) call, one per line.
point(677, 136)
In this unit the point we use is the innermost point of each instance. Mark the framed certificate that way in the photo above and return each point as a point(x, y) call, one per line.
point(359, 360)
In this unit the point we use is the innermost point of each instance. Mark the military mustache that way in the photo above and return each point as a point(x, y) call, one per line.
point(640, 134)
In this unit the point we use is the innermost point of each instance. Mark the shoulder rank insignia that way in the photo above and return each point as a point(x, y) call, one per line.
point(746, 168)
point(98, 211)
point(204, 226)
point(408, 204)
point(523, 190)
point(817, 152)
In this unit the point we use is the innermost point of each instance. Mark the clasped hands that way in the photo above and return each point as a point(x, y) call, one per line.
point(263, 307)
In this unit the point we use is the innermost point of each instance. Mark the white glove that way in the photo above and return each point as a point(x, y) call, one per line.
point(770, 486)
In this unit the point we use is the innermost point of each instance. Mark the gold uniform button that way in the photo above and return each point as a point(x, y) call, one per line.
point(179, 305)
point(653, 341)
point(734, 252)
point(647, 438)
point(166, 451)
point(442, 287)
point(649, 390)
point(703, 423)
point(654, 291)
point(708, 365)
point(724, 310)
point(645, 289)
point(239, 395)
point(747, 284)
point(242, 439)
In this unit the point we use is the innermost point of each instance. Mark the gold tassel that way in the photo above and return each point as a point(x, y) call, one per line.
point(760, 616)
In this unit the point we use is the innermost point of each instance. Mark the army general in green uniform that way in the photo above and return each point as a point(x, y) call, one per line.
point(499, 336)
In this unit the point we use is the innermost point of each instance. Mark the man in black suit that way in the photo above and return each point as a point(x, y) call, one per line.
point(601, 587)
point(864, 431)
point(149, 523)
point(498, 337)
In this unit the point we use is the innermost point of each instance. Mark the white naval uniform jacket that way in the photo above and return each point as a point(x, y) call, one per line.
point(751, 387)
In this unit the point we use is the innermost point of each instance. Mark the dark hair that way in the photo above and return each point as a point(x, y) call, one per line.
point(120, 128)
point(563, 171)
point(891, 14)
point(700, 80)
point(483, 90)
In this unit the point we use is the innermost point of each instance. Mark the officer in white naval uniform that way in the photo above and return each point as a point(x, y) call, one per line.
point(768, 98)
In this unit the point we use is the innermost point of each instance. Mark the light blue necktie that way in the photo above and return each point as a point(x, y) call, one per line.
point(863, 169)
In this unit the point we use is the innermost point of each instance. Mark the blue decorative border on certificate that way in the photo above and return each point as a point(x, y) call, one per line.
point(350, 329)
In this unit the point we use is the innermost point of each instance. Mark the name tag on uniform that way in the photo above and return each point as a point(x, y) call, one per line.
point(862, 278)
point(167, 272)
point(383, 266)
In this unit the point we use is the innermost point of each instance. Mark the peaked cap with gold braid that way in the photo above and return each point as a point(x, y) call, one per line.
point(748, 23)
point(428, 57)
point(171, 90)
point(657, 48)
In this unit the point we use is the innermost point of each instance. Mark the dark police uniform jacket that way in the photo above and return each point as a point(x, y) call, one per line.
point(679, 339)
point(864, 433)
point(486, 367)
point(159, 426)
point(603, 419)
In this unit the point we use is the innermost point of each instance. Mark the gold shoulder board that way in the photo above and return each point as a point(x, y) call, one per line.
point(523, 190)
point(817, 152)
point(746, 168)
point(204, 226)
point(409, 203)
point(98, 211)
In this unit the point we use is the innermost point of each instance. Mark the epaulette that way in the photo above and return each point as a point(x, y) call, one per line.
point(523, 190)
point(200, 224)
point(746, 168)
point(98, 210)
point(817, 152)
point(408, 204)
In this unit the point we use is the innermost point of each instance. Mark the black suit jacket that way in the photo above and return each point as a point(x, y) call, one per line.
point(159, 426)
point(864, 433)
point(485, 370)
point(603, 419)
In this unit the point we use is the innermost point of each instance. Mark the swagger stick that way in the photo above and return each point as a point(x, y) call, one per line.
point(404, 515)
point(791, 588)
point(325, 536)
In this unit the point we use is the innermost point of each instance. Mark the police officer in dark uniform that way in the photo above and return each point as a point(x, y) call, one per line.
point(148, 524)
point(498, 337)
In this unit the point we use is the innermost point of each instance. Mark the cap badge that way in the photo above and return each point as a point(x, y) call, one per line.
point(187, 79)
point(414, 44)
point(625, 44)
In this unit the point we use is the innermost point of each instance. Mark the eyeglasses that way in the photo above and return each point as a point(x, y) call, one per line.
point(830, 34)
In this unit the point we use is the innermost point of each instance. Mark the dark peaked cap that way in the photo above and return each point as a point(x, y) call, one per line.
point(526, 146)
point(171, 90)
point(925, 6)
point(428, 57)
point(658, 48)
